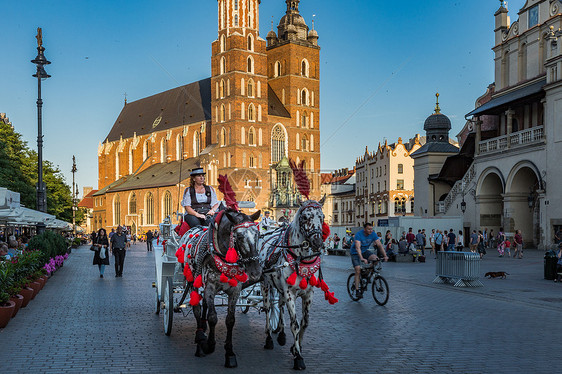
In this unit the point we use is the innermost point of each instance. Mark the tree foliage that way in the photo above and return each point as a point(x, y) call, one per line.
point(18, 173)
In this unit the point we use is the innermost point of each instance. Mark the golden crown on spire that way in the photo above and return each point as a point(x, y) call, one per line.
point(437, 109)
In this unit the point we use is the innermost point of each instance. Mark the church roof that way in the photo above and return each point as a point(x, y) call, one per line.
point(181, 105)
point(158, 175)
point(276, 107)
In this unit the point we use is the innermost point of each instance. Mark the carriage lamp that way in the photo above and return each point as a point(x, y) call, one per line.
point(463, 206)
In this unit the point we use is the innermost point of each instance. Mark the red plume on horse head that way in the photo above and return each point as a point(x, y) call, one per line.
point(303, 184)
point(229, 194)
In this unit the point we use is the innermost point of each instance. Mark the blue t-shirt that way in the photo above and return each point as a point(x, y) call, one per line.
point(366, 241)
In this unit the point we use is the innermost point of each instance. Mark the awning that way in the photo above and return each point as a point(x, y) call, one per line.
point(507, 98)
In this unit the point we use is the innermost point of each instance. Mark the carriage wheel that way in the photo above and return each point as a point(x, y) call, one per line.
point(380, 290)
point(245, 309)
point(158, 304)
point(168, 295)
point(274, 310)
point(351, 287)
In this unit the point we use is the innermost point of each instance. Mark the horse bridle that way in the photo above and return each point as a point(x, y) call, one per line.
point(232, 241)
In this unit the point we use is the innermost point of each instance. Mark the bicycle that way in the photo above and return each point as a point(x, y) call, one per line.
point(370, 274)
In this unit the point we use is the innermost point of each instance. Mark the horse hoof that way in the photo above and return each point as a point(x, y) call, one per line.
point(299, 364)
point(208, 348)
point(230, 361)
point(200, 336)
point(268, 343)
point(281, 338)
point(199, 352)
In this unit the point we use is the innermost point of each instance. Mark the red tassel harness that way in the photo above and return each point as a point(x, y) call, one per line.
point(307, 273)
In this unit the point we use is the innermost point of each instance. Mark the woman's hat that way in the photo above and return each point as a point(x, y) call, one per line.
point(197, 171)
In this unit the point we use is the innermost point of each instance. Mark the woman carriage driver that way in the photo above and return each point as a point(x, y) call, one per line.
point(199, 200)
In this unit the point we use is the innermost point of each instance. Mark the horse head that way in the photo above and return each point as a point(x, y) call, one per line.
point(307, 225)
point(239, 230)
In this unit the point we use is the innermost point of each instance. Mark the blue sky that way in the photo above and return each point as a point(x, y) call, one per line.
point(381, 64)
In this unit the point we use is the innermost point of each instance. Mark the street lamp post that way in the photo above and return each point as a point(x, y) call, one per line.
point(74, 193)
point(41, 74)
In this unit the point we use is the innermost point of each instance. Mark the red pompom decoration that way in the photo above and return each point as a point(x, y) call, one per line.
point(190, 236)
point(292, 279)
point(187, 273)
point(233, 282)
point(180, 254)
point(331, 298)
point(198, 282)
point(303, 284)
point(326, 295)
point(313, 281)
point(242, 277)
point(189, 256)
point(195, 298)
point(189, 246)
point(223, 278)
point(231, 255)
point(196, 235)
point(183, 246)
point(323, 286)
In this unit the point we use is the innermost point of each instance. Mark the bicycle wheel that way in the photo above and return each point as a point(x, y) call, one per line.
point(380, 290)
point(351, 287)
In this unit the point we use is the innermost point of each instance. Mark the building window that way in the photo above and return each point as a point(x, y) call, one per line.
point(223, 137)
point(236, 20)
point(305, 143)
point(277, 69)
point(250, 65)
point(304, 68)
point(196, 144)
point(251, 114)
point(251, 136)
point(378, 186)
point(335, 218)
point(400, 184)
point(146, 150)
point(252, 163)
point(223, 65)
point(250, 42)
point(223, 43)
point(116, 211)
point(149, 209)
point(133, 204)
point(304, 97)
point(335, 206)
point(412, 205)
point(250, 88)
point(222, 89)
point(400, 169)
point(399, 205)
point(533, 16)
point(163, 149)
point(304, 120)
point(167, 204)
point(278, 139)
point(236, 4)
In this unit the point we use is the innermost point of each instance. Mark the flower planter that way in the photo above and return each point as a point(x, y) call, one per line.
point(36, 287)
point(6, 313)
point(41, 283)
point(18, 299)
point(45, 279)
point(26, 292)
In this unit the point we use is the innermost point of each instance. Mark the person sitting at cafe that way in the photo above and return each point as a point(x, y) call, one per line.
point(199, 200)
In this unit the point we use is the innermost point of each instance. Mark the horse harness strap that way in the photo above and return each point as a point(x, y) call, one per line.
point(230, 269)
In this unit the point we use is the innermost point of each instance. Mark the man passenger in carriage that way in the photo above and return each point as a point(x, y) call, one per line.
point(360, 252)
point(199, 200)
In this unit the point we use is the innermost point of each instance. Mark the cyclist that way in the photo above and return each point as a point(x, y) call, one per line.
point(360, 252)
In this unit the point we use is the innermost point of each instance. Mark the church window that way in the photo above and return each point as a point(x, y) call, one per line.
point(277, 69)
point(304, 97)
point(258, 90)
point(251, 113)
point(131, 159)
point(311, 142)
point(236, 20)
point(311, 121)
point(149, 209)
point(259, 113)
point(236, 4)
point(305, 143)
point(223, 137)
point(252, 162)
point(251, 136)
point(167, 204)
point(145, 150)
point(223, 43)
point(250, 42)
point(116, 211)
point(400, 169)
point(224, 159)
point(164, 149)
point(278, 141)
point(260, 166)
point(222, 89)
point(196, 144)
point(117, 160)
point(312, 98)
point(304, 68)
point(229, 158)
point(223, 65)
point(304, 120)
point(260, 143)
point(250, 88)
point(250, 65)
point(412, 205)
point(133, 204)
point(243, 135)
point(179, 144)
point(223, 113)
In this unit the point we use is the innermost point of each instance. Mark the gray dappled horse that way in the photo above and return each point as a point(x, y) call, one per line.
point(291, 257)
point(208, 266)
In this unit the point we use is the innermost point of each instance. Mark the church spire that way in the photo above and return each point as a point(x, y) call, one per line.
point(292, 6)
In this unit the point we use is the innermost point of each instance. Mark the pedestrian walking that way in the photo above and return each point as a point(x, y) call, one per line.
point(432, 241)
point(149, 241)
point(501, 242)
point(460, 242)
point(485, 236)
point(518, 239)
point(491, 243)
point(438, 242)
point(101, 251)
point(474, 241)
point(119, 247)
point(336, 241)
point(481, 245)
point(451, 241)
point(420, 241)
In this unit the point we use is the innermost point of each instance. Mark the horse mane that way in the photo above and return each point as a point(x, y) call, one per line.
point(228, 192)
point(303, 184)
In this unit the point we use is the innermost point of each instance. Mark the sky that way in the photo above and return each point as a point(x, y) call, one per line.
point(381, 64)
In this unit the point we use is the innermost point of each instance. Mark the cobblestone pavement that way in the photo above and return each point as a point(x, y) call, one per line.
point(81, 323)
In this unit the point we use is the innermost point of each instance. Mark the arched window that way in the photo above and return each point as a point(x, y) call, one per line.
point(412, 205)
point(250, 42)
point(116, 211)
point(223, 137)
point(251, 136)
point(305, 143)
point(196, 144)
point(145, 150)
point(149, 209)
point(252, 162)
point(223, 65)
point(277, 69)
point(221, 90)
point(250, 87)
point(167, 204)
point(133, 204)
point(251, 113)
point(250, 65)
point(304, 97)
point(223, 43)
point(163, 149)
point(222, 113)
point(304, 120)
point(304, 68)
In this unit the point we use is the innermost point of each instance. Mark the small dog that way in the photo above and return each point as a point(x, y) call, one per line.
point(496, 274)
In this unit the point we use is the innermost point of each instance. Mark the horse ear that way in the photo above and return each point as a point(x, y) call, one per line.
point(230, 218)
point(298, 200)
point(322, 200)
point(256, 215)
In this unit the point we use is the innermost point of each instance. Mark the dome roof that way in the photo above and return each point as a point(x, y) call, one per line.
point(437, 121)
point(271, 34)
point(313, 33)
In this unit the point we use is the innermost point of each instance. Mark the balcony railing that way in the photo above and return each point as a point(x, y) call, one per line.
point(516, 139)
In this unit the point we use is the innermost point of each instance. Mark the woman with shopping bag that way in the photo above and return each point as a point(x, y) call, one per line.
point(101, 251)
